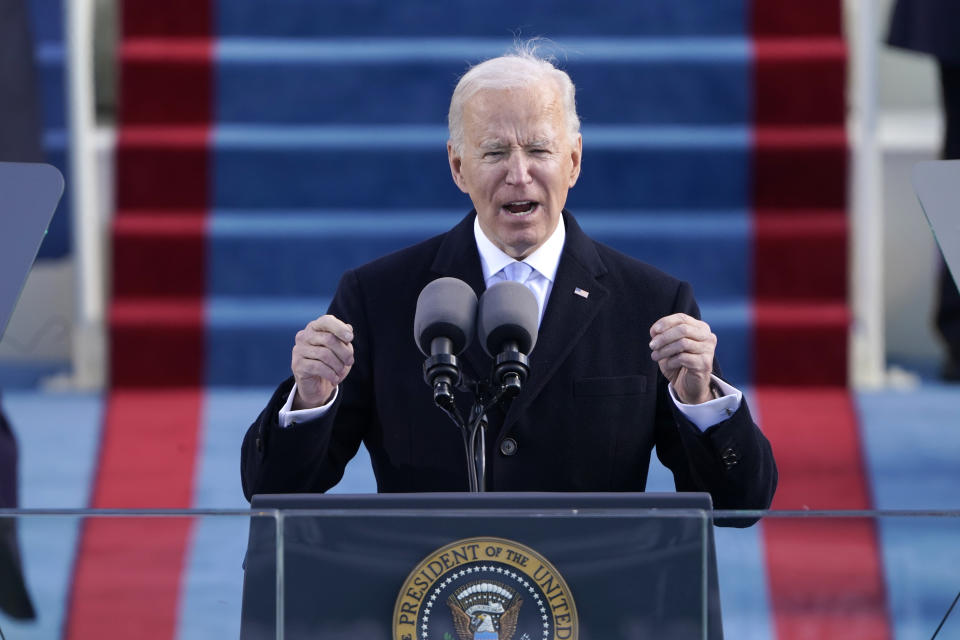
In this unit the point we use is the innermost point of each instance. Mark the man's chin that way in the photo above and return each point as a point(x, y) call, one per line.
point(520, 248)
point(518, 237)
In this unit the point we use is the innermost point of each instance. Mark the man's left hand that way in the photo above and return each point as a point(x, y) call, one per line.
point(683, 347)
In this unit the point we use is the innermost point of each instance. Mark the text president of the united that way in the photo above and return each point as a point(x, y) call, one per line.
point(622, 362)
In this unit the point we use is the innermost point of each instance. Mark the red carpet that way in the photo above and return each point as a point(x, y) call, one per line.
point(128, 573)
point(825, 576)
point(163, 193)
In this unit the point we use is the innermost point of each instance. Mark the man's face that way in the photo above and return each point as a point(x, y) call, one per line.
point(517, 164)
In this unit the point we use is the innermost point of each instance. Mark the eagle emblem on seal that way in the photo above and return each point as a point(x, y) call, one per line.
point(485, 610)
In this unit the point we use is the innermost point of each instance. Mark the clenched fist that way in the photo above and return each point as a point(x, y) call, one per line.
point(322, 357)
point(683, 347)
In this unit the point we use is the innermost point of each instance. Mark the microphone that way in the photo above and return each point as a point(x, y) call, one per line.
point(507, 321)
point(443, 327)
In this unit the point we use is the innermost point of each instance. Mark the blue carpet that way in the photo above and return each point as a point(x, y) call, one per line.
point(213, 581)
point(58, 437)
point(912, 447)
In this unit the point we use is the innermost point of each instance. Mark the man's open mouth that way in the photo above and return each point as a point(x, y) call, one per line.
point(521, 207)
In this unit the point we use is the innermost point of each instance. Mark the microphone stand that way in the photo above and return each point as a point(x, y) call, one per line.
point(474, 433)
point(511, 368)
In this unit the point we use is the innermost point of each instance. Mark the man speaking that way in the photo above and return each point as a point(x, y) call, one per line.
point(622, 362)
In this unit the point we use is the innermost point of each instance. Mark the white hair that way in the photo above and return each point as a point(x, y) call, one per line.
point(521, 67)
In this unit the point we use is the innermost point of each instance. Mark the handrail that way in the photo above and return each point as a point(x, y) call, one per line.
point(867, 342)
point(88, 232)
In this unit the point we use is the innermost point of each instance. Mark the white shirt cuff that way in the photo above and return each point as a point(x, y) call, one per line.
point(713, 411)
point(290, 417)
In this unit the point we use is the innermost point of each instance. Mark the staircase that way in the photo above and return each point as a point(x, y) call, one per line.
point(799, 195)
point(264, 148)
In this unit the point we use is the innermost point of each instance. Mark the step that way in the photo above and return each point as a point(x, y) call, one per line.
point(172, 18)
point(689, 81)
point(421, 18)
point(504, 18)
point(249, 340)
point(283, 254)
point(657, 80)
point(57, 241)
point(157, 343)
point(245, 353)
point(696, 80)
point(246, 342)
point(800, 343)
point(159, 256)
point(46, 21)
point(52, 99)
point(800, 256)
point(406, 166)
point(51, 84)
point(239, 343)
point(771, 18)
point(800, 167)
point(166, 80)
point(305, 254)
point(385, 167)
point(799, 81)
point(803, 258)
point(166, 168)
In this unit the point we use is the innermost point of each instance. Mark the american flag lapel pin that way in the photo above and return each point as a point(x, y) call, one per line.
point(581, 292)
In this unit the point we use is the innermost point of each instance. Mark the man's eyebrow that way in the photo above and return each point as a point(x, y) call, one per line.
point(539, 142)
point(492, 144)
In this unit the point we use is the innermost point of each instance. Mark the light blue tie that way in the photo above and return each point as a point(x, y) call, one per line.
point(530, 278)
point(517, 271)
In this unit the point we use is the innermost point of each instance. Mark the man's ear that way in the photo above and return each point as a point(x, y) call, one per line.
point(455, 164)
point(576, 154)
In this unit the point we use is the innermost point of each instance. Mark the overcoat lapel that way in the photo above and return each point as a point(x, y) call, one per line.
point(567, 316)
point(458, 257)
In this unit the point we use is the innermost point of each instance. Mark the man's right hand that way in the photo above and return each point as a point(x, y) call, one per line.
point(322, 357)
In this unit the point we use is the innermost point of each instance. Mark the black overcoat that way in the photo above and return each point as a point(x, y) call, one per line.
point(928, 26)
point(593, 408)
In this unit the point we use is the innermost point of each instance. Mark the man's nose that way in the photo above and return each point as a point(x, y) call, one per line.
point(518, 168)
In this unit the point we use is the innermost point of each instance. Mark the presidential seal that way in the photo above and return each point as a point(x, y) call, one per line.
point(485, 589)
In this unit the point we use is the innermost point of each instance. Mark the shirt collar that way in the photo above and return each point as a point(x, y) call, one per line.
point(545, 260)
